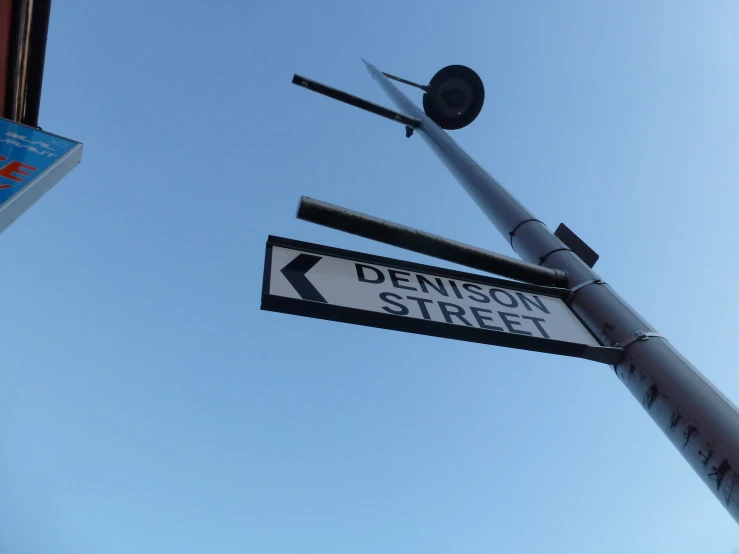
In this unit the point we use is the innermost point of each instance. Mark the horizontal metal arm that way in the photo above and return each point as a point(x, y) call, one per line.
point(352, 100)
point(415, 240)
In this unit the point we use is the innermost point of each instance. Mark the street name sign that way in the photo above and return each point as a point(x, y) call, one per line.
point(317, 281)
point(31, 162)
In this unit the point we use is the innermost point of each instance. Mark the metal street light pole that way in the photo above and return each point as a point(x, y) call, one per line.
point(698, 420)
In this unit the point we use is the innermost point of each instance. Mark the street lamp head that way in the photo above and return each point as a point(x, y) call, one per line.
point(454, 97)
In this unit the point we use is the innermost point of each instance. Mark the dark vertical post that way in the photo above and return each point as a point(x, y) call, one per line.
point(6, 20)
point(24, 27)
point(697, 419)
point(38, 33)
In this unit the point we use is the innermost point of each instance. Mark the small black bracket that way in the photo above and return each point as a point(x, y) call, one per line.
point(576, 244)
point(408, 131)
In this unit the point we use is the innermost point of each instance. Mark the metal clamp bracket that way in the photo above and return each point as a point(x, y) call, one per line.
point(573, 290)
point(545, 256)
point(512, 233)
point(640, 336)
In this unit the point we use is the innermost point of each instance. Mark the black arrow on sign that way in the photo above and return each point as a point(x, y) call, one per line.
point(295, 272)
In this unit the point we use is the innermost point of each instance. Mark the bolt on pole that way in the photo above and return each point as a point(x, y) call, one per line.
point(701, 423)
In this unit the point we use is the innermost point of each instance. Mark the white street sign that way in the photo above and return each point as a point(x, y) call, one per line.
point(317, 281)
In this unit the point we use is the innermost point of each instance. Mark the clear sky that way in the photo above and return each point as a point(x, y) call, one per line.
point(147, 405)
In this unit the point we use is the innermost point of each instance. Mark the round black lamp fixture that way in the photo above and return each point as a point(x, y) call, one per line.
point(454, 97)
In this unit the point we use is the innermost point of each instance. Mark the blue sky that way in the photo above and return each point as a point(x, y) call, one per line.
point(148, 405)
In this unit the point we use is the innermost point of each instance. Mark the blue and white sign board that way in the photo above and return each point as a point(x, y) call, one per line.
point(31, 162)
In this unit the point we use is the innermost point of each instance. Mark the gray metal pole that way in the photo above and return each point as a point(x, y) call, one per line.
point(701, 423)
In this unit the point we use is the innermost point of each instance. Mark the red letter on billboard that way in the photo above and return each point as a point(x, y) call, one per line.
point(16, 167)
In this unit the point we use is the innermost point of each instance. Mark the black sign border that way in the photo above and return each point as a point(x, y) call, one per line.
point(355, 316)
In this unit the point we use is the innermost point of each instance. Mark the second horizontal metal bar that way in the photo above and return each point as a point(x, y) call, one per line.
point(415, 240)
point(352, 100)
